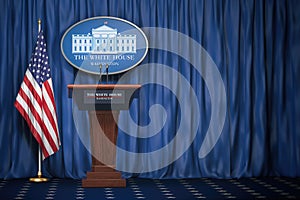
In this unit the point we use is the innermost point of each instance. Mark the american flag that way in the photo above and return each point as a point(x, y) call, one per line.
point(35, 100)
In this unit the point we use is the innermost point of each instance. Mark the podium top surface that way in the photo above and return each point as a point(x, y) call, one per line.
point(104, 86)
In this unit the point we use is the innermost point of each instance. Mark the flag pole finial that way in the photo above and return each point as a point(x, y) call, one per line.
point(39, 24)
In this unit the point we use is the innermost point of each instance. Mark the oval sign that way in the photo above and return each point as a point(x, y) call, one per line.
point(106, 45)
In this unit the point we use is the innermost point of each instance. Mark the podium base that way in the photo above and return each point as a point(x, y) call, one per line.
point(103, 176)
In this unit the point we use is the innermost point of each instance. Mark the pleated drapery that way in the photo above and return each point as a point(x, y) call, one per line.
point(253, 45)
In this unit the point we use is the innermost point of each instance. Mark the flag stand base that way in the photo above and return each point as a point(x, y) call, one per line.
point(39, 178)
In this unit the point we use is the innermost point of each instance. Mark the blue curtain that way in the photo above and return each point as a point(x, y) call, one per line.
point(253, 45)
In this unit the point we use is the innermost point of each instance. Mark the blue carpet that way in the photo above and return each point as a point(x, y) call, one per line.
point(252, 188)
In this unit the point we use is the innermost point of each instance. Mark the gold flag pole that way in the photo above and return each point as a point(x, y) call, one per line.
point(39, 177)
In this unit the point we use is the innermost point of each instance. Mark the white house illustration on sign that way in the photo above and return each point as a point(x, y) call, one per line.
point(104, 40)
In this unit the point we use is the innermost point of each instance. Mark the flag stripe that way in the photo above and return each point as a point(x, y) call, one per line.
point(33, 126)
point(30, 103)
point(30, 100)
point(50, 135)
point(33, 86)
point(48, 86)
point(49, 108)
point(37, 115)
point(36, 111)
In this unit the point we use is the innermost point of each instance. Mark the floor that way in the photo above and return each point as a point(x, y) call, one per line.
point(204, 188)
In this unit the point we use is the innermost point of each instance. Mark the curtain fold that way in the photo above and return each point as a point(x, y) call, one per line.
point(253, 44)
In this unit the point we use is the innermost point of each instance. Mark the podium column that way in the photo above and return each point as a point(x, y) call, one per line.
point(103, 132)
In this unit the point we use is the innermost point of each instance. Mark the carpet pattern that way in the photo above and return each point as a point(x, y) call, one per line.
point(204, 188)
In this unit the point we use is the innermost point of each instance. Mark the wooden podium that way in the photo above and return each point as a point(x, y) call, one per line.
point(103, 102)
